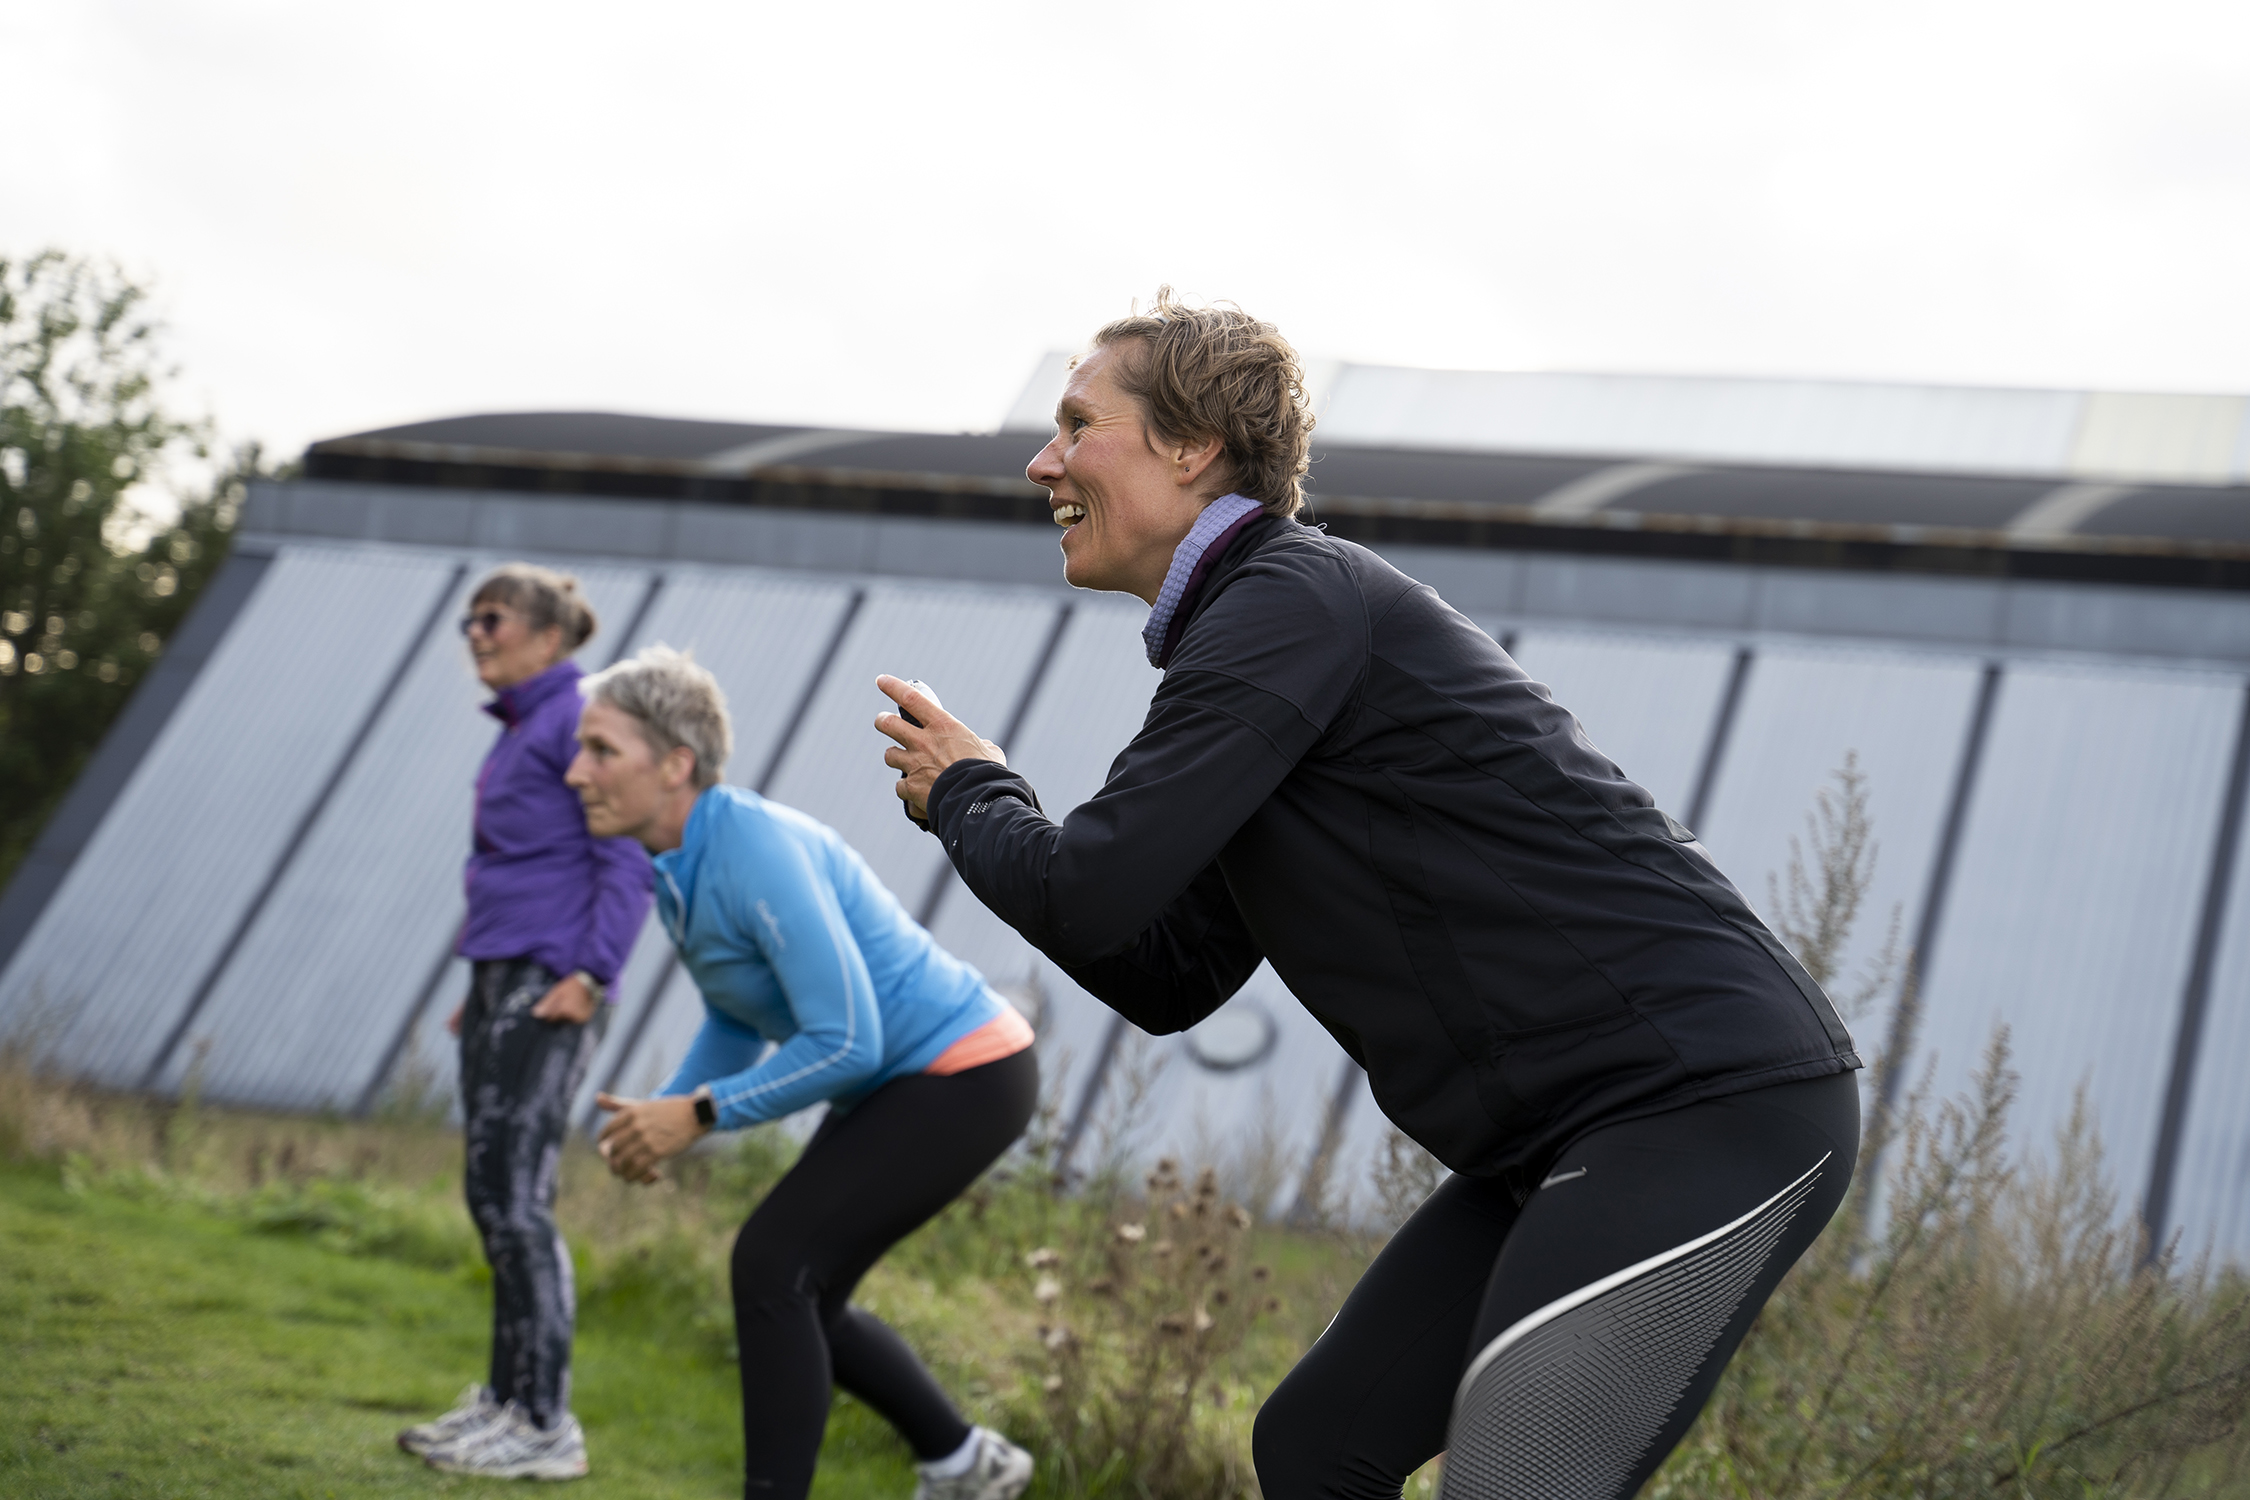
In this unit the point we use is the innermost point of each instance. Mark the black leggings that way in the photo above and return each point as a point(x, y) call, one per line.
point(518, 1075)
point(1561, 1349)
point(869, 1178)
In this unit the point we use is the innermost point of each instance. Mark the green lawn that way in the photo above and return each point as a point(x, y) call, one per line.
point(155, 1351)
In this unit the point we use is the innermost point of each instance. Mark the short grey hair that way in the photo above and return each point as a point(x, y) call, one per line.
point(675, 701)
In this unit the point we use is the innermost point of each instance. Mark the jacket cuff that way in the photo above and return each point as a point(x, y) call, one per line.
point(966, 785)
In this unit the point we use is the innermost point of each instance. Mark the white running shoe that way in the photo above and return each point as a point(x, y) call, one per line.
point(475, 1408)
point(512, 1446)
point(1000, 1471)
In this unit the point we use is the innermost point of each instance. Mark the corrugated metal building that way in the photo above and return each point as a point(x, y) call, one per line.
point(2027, 613)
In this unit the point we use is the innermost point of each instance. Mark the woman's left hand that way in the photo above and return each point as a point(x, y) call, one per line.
point(569, 1000)
point(921, 754)
point(642, 1132)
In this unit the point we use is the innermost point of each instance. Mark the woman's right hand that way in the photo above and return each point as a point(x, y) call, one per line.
point(453, 1022)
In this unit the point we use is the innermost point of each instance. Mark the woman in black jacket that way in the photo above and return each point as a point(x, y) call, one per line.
point(1645, 1100)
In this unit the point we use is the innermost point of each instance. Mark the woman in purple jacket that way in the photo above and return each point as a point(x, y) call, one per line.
point(553, 911)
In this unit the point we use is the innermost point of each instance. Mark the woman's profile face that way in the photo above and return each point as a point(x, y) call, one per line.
point(619, 779)
point(1121, 499)
point(505, 647)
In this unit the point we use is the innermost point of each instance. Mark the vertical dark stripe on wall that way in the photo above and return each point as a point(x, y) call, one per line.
point(943, 880)
point(405, 1032)
point(1905, 1019)
point(772, 768)
point(2195, 999)
point(111, 768)
point(1320, 1171)
point(361, 732)
point(1722, 729)
point(1090, 1095)
point(625, 637)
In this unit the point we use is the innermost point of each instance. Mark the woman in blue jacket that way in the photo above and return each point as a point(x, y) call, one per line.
point(928, 1074)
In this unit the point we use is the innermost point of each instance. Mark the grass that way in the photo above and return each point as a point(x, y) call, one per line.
point(166, 1349)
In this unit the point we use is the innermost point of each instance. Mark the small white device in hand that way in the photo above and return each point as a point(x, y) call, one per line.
point(925, 690)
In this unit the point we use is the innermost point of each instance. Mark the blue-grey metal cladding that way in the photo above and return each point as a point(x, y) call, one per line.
point(1803, 711)
point(2210, 1200)
point(2074, 904)
point(1090, 705)
point(1646, 702)
point(379, 877)
point(150, 903)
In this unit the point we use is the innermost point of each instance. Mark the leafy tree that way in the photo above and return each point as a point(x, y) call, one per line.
point(89, 591)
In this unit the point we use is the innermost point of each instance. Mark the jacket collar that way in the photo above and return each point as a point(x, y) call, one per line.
point(1221, 557)
point(512, 705)
point(676, 869)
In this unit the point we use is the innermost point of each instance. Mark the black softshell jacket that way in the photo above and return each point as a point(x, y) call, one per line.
point(1343, 775)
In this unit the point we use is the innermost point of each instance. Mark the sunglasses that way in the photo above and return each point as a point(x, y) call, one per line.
point(487, 620)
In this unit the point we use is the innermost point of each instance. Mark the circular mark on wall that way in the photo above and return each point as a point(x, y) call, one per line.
point(1239, 1035)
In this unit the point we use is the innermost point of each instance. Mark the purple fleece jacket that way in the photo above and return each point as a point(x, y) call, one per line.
point(539, 885)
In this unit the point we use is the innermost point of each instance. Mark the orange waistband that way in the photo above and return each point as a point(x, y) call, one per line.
point(1004, 1035)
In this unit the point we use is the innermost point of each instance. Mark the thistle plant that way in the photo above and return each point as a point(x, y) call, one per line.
point(1137, 1317)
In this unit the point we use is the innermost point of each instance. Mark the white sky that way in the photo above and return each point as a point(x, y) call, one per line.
point(879, 215)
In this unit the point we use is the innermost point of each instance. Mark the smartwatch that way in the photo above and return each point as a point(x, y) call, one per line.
point(594, 986)
point(706, 1113)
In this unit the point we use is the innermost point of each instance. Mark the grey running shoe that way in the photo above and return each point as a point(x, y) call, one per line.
point(475, 1408)
point(998, 1472)
point(512, 1446)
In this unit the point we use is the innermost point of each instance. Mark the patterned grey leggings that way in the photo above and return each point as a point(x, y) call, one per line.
point(518, 1077)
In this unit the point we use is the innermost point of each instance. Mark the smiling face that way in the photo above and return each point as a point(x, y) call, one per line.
point(626, 788)
point(506, 649)
point(1124, 497)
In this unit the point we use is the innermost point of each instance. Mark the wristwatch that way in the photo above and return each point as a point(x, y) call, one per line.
point(706, 1113)
point(594, 986)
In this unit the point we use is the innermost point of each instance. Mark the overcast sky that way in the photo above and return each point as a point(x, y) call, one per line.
point(879, 215)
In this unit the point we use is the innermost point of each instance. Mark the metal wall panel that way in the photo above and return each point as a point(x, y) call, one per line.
point(1090, 704)
point(1802, 711)
point(374, 896)
point(1647, 702)
point(974, 649)
point(2211, 1188)
point(195, 833)
point(2076, 896)
point(762, 635)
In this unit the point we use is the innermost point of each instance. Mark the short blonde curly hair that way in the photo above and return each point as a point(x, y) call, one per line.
point(1218, 372)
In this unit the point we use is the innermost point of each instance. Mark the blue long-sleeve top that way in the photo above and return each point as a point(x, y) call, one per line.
point(794, 942)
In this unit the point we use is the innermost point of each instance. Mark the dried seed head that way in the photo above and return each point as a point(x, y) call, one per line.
point(1052, 1384)
point(1240, 1215)
point(1161, 1249)
point(1055, 1338)
point(1260, 1273)
point(1220, 1296)
point(1179, 1210)
point(1203, 1321)
point(1047, 1290)
point(1131, 1234)
point(1207, 1183)
point(1172, 1323)
point(1043, 1258)
point(1273, 1304)
point(1101, 1286)
point(1218, 1264)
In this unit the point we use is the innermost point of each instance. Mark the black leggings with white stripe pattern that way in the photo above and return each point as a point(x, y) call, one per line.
point(1561, 1349)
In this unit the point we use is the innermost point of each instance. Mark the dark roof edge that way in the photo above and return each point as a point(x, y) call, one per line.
point(1856, 546)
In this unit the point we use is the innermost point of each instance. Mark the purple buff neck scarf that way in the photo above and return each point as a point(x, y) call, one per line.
point(1220, 518)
